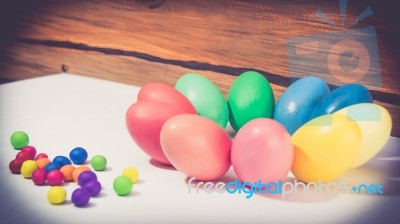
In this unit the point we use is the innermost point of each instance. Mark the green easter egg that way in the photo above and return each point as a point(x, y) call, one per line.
point(250, 97)
point(205, 97)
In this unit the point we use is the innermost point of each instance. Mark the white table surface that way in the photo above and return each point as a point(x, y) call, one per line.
point(60, 112)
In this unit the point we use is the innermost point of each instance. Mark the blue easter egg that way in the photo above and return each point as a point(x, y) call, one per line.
point(296, 104)
point(342, 97)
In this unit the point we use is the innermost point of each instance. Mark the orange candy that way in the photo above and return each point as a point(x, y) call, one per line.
point(42, 162)
point(67, 171)
point(77, 171)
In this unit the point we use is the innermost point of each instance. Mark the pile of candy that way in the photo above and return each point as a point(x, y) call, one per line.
point(316, 133)
point(42, 170)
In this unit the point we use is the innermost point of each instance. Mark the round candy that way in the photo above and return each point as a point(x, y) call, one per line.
point(196, 146)
point(78, 155)
point(375, 124)
point(342, 97)
point(325, 148)
point(162, 92)
point(23, 155)
point(67, 171)
point(93, 186)
point(31, 150)
point(39, 176)
point(19, 139)
point(56, 195)
point(298, 101)
point(42, 162)
point(144, 120)
point(52, 166)
point(15, 166)
point(98, 162)
point(55, 178)
point(122, 185)
point(132, 173)
point(80, 197)
point(41, 155)
point(27, 168)
point(205, 97)
point(77, 171)
point(262, 150)
point(85, 177)
point(250, 97)
point(62, 160)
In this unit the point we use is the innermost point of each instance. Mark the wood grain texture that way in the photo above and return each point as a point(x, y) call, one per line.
point(128, 42)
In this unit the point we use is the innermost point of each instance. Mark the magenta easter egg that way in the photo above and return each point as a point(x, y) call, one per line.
point(262, 150)
point(196, 146)
point(144, 120)
point(162, 92)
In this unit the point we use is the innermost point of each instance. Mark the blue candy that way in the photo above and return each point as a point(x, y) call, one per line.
point(78, 155)
point(296, 104)
point(62, 160)
point(342, 97)
point(52, 166)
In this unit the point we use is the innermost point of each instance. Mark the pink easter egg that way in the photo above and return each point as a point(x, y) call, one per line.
point(196, 146)
point(262, 150)
point(162, 92)
point(144, 120)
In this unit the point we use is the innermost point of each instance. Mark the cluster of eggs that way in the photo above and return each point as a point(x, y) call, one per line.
point(55, 172)
point(316, 133)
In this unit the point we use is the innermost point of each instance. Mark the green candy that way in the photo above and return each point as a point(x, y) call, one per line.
point(98, 162)
point(250, 97)
point(122, 185)
point(19, 139)
point(205, 97)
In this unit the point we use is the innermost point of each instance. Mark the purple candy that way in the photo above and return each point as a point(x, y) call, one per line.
point(93, 186)
point(85, 177)
point(80, 197)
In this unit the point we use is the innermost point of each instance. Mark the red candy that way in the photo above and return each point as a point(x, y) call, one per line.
point(39, 176)
point(31, 150)
point(41, 155)
point(15, 166)
point(23, 156)
point(55, 178)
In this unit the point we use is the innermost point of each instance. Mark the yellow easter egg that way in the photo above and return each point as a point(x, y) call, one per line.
point(325, 148)
point(375, 124)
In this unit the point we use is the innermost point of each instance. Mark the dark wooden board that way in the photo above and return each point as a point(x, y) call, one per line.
point(126, 41)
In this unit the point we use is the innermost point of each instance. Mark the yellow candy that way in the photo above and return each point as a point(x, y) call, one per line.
point(56, 195)
point(375, 124)
point(27, 168)
point(325, 148)
point(132, 173)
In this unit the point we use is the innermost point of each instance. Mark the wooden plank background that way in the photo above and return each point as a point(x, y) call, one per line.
point(141, 41)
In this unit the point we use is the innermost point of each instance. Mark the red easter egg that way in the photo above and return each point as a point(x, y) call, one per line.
point(144, 120)
point(196, 146)
point(162, 92)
